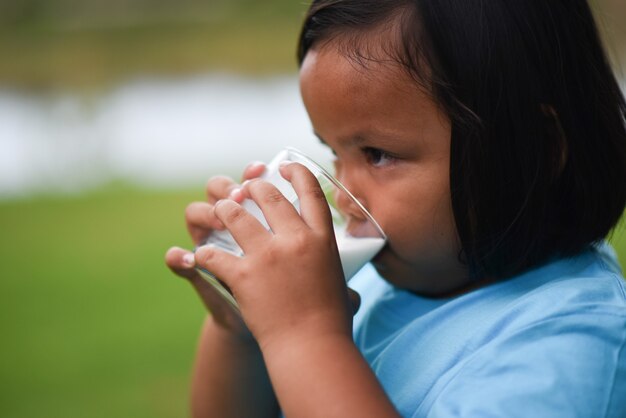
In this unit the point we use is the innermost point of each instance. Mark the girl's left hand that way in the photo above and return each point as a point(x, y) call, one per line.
point(289, 284)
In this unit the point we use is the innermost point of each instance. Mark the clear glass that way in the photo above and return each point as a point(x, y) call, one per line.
point(359, 238)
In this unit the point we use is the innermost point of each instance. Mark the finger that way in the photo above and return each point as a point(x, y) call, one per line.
point(253, 170)
point(219, 187)
point(181, 262)
point(201, 220)
point(355, 300)
point(247, 231)
point(210, 297)
point(313, 204)
point(219, 262)
point(279, 212)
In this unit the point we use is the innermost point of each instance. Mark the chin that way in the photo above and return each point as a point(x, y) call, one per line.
point(387, 267)
point(379, 261)
point(423, 281)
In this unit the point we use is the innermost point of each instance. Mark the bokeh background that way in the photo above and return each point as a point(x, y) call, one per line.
point(113, 113)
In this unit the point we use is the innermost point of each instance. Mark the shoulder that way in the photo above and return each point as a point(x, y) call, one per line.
point(588, 284)
point(554, 346)
point(563, 353)
point(553, 338)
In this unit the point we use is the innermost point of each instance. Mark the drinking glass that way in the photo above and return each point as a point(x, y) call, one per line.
point(359, 238)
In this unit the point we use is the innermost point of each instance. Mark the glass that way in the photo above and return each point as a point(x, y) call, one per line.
point(359, 238)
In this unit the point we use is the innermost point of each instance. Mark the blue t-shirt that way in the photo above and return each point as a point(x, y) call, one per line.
point(548, 343)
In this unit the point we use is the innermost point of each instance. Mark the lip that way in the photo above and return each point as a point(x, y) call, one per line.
point(361, 228)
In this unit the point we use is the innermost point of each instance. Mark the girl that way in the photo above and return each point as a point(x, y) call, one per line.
point(488, 140)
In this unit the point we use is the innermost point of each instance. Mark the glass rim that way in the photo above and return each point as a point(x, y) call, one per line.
point(309, 161)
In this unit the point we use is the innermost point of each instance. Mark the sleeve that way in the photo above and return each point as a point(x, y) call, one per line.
point(568, 366)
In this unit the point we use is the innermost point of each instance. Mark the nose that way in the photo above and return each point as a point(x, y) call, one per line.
point(347, 206)
point(358, 224)
point(349, 178)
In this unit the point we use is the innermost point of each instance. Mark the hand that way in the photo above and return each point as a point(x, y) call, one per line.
point(201, 220)
point(289, 284)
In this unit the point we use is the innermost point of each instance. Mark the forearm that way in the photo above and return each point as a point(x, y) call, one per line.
point(326, 378)
point(230, 379)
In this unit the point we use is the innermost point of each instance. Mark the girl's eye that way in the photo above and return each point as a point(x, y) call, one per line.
point(376, 157)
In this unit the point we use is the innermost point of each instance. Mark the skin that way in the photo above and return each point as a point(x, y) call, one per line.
point(230, 378)
point(392, 147)
point(294, 345)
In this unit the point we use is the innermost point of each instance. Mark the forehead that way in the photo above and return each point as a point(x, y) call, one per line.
point(363, 67)
point(368, 51)
point(330, 62)
point(379, 56)
point(350, 102)
point(368, 84)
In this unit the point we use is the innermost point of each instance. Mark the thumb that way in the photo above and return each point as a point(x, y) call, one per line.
point(182, 263)
point(355, 300)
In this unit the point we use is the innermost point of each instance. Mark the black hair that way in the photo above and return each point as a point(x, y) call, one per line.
point(538, 147)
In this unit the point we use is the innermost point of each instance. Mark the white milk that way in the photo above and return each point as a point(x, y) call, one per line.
point(355, 252)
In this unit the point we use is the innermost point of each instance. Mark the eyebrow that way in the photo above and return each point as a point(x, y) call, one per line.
point(360, 139)
point(356, 140)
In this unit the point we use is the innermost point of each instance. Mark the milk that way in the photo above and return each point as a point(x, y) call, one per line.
point(355, 252)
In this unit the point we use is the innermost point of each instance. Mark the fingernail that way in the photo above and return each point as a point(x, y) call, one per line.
point(236, 195)
point(209, 245)
point(285, 163)
point(189, 259)
point(256, 164)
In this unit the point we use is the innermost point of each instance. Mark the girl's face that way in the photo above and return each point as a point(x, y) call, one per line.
point(392, 147)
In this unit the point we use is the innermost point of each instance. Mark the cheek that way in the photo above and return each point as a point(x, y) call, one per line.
point(421, 225)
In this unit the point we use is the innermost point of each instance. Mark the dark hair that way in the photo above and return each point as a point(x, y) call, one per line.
point(538, 152)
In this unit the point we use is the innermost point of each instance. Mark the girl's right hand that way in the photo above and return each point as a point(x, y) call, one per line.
point(201, 220)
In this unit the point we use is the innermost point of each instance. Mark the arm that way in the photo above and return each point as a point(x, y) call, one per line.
point(293, 298)
point(325, 377)
point(230, 379)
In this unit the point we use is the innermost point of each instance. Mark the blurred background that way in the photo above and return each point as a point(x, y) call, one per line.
point(112, 116)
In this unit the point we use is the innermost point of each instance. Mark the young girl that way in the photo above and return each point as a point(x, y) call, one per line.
point(488, 140)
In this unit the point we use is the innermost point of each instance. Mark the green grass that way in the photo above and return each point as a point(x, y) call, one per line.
point(54, 46)
point(88, 58)
point(93, 44)
point(618, 240)
point(93, 324)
